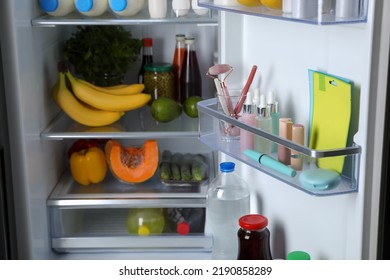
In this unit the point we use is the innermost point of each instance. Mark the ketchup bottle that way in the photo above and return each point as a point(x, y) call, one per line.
point(253, 238)
point(190, 79)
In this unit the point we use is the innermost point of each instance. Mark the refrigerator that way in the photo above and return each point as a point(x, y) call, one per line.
point(51, 217)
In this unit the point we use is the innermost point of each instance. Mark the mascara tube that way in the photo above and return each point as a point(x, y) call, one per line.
point(268, 161)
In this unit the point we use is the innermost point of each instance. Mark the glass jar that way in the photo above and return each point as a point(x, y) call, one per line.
point(253, 238)
point(159, 80)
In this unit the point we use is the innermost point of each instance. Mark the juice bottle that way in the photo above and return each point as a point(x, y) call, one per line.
point(178, 59)
point(253, 238)
point(190, 79)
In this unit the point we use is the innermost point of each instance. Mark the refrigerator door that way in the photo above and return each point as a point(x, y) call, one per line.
point(334, 227)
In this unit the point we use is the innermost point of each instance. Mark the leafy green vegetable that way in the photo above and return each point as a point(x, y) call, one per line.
point(95, 51)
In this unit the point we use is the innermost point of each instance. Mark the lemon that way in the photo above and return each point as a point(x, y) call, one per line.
point(249, 3)
point(273, 4)
point(190, 107)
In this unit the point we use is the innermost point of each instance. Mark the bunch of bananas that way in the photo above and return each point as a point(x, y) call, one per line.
point(92, 105)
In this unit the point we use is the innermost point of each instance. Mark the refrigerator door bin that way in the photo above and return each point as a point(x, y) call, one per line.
point(110, 18)
point(83, 229)
point(304, 180)
point(320, 12)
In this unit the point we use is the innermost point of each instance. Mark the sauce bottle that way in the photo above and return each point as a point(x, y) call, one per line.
point(147, 57)
point(190, 79)
point(178, 59)
point(253, 238)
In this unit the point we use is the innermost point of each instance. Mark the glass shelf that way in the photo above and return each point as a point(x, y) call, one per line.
point(329, 17)
point(209, 118)
point(113, 193)
point(109, 18)
point(135, 124)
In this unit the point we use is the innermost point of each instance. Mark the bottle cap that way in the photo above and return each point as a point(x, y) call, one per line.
point(147, 42)
point(48, 5)
point(180, 37)
point(227, 166)
point(298, 255)
point(256, 97)
point(189, 40)
point(253, 222)
point(271, 98)
point(158, 67)
point(84, 5)
point(118, 5)
point(183, 228)
point(247, 107)
point(262, 101)
point(261, 108)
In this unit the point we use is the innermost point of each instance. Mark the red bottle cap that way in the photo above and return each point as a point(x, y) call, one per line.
point(148, 42)
point(183, 228)
point(253, 222)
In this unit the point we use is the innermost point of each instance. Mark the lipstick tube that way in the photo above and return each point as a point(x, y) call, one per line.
point(285, 131)
point(297, 137)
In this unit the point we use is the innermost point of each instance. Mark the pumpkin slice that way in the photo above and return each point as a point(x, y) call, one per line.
point(132, 164)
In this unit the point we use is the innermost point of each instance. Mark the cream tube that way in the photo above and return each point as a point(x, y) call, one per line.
point(297, 137)
point(285, 131)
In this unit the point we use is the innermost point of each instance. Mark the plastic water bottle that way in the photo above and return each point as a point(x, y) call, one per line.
point(145, 221)
point(57, 8)
point(227, 201)
point(91, 8)
point(126, 8)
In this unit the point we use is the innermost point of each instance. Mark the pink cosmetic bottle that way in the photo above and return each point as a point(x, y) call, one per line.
point(247, 117)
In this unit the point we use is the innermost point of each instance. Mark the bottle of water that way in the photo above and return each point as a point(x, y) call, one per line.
point(227, 200)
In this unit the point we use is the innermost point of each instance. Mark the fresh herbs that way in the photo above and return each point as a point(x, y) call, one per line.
point(100, 51)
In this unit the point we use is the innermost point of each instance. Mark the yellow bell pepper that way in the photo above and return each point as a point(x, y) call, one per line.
point(88, 166)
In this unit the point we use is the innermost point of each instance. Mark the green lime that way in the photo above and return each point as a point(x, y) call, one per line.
point(190, 106)
point(165, 109)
